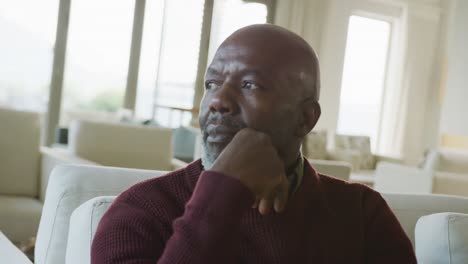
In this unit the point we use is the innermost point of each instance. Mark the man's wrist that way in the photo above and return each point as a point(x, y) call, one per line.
point(217, 193)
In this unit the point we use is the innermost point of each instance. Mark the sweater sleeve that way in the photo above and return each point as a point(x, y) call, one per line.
point(205, 233)
point(386, 241)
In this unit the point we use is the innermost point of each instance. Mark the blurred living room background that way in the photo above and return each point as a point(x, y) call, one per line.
point(118, 83)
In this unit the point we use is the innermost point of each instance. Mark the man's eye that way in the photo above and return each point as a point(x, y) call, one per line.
point(249, 85)
point(210, 85)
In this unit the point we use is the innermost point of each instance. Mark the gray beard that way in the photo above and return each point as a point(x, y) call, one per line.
point(207, 157)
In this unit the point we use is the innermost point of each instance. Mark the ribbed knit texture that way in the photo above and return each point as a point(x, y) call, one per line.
point(190, 216)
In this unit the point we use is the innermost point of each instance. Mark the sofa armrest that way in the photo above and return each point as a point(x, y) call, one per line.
point(10, 253)
point(335, 168)
point(178, 164)
point(396, 178)
point(351, 156)
point(382, 158)
point(451, 183)
point(51, 157)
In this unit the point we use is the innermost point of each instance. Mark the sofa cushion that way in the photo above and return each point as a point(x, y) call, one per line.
point(19, 217)
point(19, 152)
point(455, 161)
point(450, 183)
point(360, 144)
point(442, 238)
point(83, 224)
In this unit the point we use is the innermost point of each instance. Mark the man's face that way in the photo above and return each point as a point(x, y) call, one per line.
point(246, 87)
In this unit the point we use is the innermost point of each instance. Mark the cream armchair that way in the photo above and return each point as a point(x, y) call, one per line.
point(314, 148)
point(444, 171)
point(20, 206)
point(74, 206)
point(357, 151)
point(24, 171)
point(122, 145)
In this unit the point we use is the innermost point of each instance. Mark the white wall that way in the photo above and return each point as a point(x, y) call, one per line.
point(454, 117)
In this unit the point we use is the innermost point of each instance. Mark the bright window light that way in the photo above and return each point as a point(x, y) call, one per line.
point(27, 30)
point(230, 15)
point(97, 58)
point(149, 59)
point(363, 79)
point(169, 59)
point(179, 58)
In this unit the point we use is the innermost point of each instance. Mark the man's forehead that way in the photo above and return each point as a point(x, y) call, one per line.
point(233, 50)
point(235, 59)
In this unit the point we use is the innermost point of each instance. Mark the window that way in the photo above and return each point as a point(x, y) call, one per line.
point(169, 59)
point(28, 30)
point(149, 59)
point(364, 76)
point(180, 47)
point(97, 57)
point(230, 15)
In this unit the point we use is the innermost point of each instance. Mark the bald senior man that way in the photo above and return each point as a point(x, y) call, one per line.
point(253, 198)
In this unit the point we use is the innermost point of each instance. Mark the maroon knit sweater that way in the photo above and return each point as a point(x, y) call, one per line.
point(175, 219)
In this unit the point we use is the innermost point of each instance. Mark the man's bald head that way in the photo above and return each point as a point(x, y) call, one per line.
point(286, 49)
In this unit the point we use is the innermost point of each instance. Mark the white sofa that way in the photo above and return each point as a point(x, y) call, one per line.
point(444, 172)
point(74, 206)
point(69, 187)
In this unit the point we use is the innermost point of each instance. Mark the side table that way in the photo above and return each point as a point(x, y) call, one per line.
point(9, 253)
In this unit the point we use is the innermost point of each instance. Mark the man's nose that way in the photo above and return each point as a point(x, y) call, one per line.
point(223, 101)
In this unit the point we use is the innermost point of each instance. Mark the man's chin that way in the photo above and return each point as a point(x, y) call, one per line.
point(215, 148)
point(211, 151)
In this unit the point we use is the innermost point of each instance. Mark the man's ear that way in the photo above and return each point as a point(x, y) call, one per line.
point(310, 115)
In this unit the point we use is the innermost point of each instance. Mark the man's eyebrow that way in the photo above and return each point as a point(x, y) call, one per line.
point(261, 73)
point(212, 71)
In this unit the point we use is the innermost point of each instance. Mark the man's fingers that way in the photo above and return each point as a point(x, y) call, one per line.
point(265, 206)
point(281, 197)
point(257, 201)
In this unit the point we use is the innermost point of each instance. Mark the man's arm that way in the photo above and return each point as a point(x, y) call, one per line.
point(386, 241)
point(205, 233)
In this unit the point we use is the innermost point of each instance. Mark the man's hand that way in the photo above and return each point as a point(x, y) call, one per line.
point(251, 158)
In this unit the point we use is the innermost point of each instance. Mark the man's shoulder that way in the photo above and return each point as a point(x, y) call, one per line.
point(174, 187)
point(330, 183)
point(343, 192)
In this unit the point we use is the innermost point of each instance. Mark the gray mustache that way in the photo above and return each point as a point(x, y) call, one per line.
point(226, 121)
